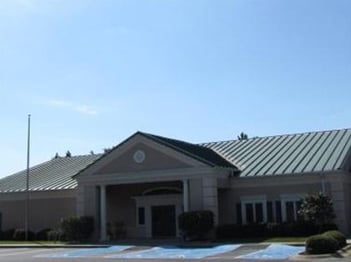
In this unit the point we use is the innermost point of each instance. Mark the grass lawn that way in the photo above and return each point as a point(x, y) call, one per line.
point(268, 240)
point(286, 239)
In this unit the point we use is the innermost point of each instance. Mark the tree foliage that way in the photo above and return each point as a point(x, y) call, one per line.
point(317, 208)
point(196, 224)
point(77, 228)
point(243, 136)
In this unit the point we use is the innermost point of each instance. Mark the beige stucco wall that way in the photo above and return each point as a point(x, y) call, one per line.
point(347, 197)
point(154, 160)
point(229, 198)
point(45, 209)
point(195, 194)
point(337, 185)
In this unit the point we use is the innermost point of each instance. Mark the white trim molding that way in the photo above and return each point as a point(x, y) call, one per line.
point(294, 198)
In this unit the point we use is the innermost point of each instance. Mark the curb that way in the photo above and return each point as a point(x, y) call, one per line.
point(51, 246)
point(342, 253)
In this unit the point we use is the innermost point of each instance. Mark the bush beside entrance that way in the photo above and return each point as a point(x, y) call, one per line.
point(77, 228)
point(195, 225)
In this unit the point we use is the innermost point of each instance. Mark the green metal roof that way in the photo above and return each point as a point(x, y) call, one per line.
point(203, 154)
point(276, 155)
point(287, 154)
point(55, 174)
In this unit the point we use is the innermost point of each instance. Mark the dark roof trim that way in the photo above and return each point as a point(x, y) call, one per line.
point(163, 141)
point(172, 143)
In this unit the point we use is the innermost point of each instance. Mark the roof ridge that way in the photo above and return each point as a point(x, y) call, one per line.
point(288, 134)
point(43, 164)
point(83, 155)
point(168, 141)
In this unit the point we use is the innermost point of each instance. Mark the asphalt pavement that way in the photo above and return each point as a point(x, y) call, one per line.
point(107, 254)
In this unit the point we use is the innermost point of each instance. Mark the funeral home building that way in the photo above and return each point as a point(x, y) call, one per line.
point(146, 181)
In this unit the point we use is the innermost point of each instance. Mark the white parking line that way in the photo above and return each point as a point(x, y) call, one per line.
point(21, 252)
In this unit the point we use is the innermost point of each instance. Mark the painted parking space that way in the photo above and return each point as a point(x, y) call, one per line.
point(9, 252)
point(249, 252)
point(87, 252)
point(174, 252)
point(274, 251)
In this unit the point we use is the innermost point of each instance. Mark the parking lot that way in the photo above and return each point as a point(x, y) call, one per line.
point(137, 253)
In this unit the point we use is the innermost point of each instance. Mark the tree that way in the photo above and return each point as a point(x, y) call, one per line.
point(317, 208)
point(243, 136)
point(107, 150)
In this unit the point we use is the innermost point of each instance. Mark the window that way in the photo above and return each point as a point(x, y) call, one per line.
point(141, 216)
point(249, 211)
point(259, 212)
point(239, 217)
point(253, 209)
point(290, 206)
point(270, 215)
point(278, 212)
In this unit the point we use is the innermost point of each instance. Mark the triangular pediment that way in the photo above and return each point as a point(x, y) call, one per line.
point(140, 153)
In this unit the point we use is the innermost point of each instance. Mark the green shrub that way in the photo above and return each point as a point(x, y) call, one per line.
point(321, 244)
point(253, 230)
point(54, 235)
point(327, 227)
point(77, 228)
point(20, 234)
point(338, 236)
point(87, 226)
point(228, 231)
point(7, 234)
point(42, 234)
point(295, 229)
point(196, 224)
point(116, 230)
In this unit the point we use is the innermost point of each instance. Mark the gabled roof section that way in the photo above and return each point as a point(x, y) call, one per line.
point(198, 152)
point(310, 152)
point(55, 174)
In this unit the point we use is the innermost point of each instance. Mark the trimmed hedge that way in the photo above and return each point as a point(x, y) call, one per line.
point(196, 224)
point(338, 236)
point(54, 235)
point(321, 244)
point(42, 234)
point(7, 234)
point(297, 229)
point(77, 228)
point(20, 234)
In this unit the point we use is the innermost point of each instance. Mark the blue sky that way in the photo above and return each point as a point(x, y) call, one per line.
point(91, 73)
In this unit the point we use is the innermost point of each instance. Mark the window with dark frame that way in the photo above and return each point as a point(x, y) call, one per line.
point(249, 213)
point(278, 211)
point(270, 216)
point(259, 212)
point(141, 215)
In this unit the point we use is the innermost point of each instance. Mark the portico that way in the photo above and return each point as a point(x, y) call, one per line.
point(145, 185)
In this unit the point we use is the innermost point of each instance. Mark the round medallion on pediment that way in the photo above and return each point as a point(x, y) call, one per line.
point(139, 156)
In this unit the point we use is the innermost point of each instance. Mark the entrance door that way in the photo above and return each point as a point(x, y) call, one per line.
point(163, 221)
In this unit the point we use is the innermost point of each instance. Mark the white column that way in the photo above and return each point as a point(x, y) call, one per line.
point(186, 195)
point(103, 235)
point(210, 196)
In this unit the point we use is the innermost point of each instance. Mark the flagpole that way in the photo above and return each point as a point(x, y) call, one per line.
point(27, 183)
